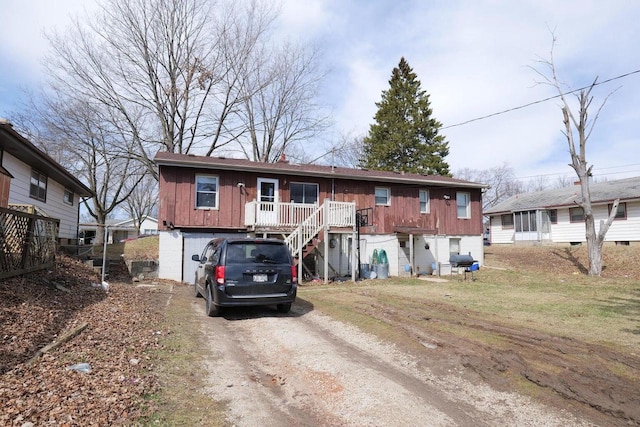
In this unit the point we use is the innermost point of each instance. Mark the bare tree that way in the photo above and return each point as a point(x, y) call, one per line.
point(501, 180)
point(278, 106)
point(80, 137)
point(348, 151)
point(142, 200)
point(537, 183)
point(176, 74)
point(577, 129)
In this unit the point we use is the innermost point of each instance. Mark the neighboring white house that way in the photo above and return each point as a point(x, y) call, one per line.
point(40, 182)
point(118, 229)
point(553, 216)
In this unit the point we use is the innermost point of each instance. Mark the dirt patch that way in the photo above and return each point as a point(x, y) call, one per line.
point(597, 382)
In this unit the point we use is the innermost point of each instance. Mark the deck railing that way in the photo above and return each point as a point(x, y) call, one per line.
point(292, 215)
point(304, 220)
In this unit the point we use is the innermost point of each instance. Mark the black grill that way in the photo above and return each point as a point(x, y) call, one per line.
point(463, 261)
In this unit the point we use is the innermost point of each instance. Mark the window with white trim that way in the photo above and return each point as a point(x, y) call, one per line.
point(206, 192)
point(424, 201)
point(383, 196)
point(463, 203)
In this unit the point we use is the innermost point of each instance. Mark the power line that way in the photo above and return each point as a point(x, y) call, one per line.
point(595, 173)
point(539, 101)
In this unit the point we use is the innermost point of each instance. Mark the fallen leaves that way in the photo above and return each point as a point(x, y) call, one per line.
point(122, 327)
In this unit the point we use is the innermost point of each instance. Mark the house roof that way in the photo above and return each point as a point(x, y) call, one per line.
point(130, 221)
point(192, 161)
point(21, 148)
point(601, 192)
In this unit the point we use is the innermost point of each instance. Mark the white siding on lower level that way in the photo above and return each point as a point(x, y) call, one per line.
point(170, 255)
point(176, 249)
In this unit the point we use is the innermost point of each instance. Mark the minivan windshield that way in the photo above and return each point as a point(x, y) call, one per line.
point(252, 252)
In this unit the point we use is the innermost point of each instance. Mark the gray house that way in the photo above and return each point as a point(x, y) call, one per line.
point(34, 182)
point(553, 216)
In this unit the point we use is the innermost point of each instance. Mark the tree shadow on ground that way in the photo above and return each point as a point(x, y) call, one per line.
point(568, 255)
point(627, 306)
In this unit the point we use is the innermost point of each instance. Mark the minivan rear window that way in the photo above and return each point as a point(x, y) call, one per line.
point(267, 253)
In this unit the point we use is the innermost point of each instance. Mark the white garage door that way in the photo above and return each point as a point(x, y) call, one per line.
point(194, 243)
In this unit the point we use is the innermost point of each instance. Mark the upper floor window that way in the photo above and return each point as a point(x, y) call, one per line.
point(68, 197)
point(383, 196)
point(38, 186)
point(206, 192)
point(303, 193)
point(576, 214)
point(424, 201)
point(463, 202)
point(507, 220)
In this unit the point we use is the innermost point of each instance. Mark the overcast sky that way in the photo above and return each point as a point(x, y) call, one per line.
point(473, 58)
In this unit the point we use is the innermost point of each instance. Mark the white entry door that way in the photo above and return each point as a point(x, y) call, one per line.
point(268, 201)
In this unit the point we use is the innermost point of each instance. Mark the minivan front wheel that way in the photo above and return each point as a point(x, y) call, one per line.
point(211, 309)
point(284, 308)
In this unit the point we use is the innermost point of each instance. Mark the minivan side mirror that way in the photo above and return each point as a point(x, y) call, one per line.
point(195, 258)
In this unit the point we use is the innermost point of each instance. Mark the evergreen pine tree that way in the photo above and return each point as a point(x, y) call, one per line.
point(404, 137)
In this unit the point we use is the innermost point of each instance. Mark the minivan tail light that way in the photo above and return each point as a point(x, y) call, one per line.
point(219, 274)
point(294, 274)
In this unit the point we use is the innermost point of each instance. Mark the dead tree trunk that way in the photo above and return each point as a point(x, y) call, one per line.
point(595, 239)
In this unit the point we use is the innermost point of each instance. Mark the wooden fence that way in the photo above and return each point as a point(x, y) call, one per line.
point(27, 242)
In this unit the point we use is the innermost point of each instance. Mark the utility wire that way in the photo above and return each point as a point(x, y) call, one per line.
point(539, 101)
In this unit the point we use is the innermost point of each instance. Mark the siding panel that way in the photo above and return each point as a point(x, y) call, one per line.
point(54, 206)
point(403, 213)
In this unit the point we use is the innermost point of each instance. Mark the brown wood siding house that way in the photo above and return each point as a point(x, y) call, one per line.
point(238, 187)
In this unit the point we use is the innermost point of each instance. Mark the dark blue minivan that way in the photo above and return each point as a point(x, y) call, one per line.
point(245, 271)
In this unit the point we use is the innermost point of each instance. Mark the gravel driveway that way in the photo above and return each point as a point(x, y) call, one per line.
point(306, 369)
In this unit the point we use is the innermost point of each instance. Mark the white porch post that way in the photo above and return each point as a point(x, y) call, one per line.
point(300, 258)
point(325, 219)
point(411, 255)
point(354, 257)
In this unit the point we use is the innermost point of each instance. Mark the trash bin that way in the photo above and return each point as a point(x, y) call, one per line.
point(382, 271)
point(365, 271)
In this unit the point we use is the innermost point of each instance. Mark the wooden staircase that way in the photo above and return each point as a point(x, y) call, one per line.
point(306, 232)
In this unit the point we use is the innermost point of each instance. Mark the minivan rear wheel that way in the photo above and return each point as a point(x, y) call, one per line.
point(211, 309)
point(284, 308)
point(195, 288)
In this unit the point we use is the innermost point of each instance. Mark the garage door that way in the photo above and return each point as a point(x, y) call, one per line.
point(194, 243)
